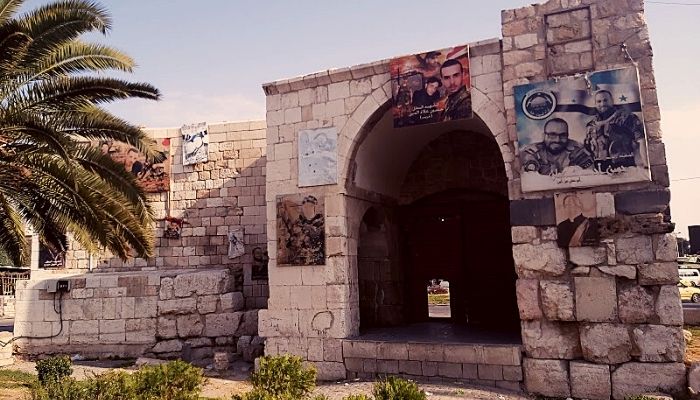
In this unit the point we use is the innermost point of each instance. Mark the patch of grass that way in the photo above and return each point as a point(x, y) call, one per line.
point(438, 299)
point(11, 379)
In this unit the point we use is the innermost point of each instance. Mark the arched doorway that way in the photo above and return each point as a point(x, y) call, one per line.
point(449, 223)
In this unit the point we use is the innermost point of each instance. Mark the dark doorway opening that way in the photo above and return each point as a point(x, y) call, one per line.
point(450, 221)
point(463, 237)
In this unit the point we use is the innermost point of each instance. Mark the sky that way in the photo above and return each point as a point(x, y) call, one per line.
point(209, 58)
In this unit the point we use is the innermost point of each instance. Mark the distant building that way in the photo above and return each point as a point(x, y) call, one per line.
point(694, 234)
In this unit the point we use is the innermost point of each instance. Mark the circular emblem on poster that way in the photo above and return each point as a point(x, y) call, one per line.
point(539, 104)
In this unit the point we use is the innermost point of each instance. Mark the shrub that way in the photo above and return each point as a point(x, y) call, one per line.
point(63, 389)
point(53, 369)
point(393, 388)
point(176, 380)
point(357, 397)
point(115, 385)
point(283, 376)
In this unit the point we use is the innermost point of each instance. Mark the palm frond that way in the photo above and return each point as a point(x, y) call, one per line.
point(63, 21)
point(76, 56)
point(49, 105)
point(12, 239)
point(8, 8)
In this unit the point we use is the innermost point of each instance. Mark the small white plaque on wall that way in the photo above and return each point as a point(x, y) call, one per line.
point(318, 156)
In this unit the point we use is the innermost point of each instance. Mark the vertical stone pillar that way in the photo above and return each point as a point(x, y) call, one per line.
point(605, 321)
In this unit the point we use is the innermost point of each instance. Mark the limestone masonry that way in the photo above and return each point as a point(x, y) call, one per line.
point(408, 205)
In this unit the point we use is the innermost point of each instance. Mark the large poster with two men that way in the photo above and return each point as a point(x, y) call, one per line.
point(431, 87)
point(581, 131)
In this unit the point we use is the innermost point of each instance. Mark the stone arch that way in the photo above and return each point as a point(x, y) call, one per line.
point(363, 120)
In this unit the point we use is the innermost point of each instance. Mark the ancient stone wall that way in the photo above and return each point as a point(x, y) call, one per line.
point(312, 308)
point(457, 160)
point(164, 314)
point(212, 198)
point(603, 320)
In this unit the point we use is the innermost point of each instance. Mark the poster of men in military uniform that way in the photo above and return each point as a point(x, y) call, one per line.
point(581, 131)
point(431, 87)
point(300, 230)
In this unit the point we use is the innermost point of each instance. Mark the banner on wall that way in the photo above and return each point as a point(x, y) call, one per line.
point(431, 87)
point(195, 143)
point(152, 177)
point(581, 131)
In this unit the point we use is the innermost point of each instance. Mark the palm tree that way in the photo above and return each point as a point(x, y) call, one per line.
point(51, 87)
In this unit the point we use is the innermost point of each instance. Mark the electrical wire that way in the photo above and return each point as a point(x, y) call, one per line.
point(685, 179)
point(58, 311)
point(671, 3)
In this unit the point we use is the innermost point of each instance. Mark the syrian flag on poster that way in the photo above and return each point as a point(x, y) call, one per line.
point(195, 143)
point(581, 131)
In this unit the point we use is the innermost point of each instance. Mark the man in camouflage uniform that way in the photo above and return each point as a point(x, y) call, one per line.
point(459, 101)
point(555, 152)
point(613, 135)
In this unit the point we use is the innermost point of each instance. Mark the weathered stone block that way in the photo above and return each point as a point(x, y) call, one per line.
point(523, 234)
point(656, 343)
point(547, 377)
point(388, 366)
point(167, 289)
point(590, 381)
point(360, 349)
point(624, 271)
point(596, 299)
point(232, 301)
point(457, 353)
point(490, 372)
point(634, 250)
point(177, 306)
point(588, 256)
point(662, 273)
point(221, 361)
point(189, 325)
point(201, 283)
point(694, 378)
point(513, 373)
point(543, 260)
point(606, 343)
point(543, 339)
point(450, 370)
point(501, 355)
point(392, 351)
point(167, 346)
point(207, 304)
point(634, 378)
point(635, 304)
point(527, 292)
point(221, 324)
point(410, 367)
point(665, 247)
point(557, 301)
point(166, 328)
point(248, 324)
point(532, 212)
point(668, 306)
point(642, 202)
point(424, 352)
point(430, 368)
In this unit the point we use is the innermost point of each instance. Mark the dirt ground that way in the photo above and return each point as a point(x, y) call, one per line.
point(692, 350)
point(234, 381)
